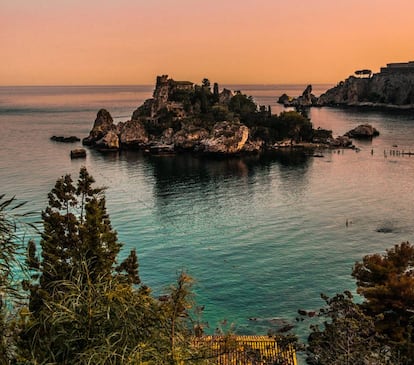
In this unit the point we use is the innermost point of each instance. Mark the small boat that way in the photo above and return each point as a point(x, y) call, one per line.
point(162, 149)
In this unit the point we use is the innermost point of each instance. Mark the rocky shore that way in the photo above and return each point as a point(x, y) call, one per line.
point(183, 116)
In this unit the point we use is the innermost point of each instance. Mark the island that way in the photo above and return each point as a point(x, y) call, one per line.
point(186, 117)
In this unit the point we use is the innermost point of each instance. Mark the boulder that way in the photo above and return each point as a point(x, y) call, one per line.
point(189, 137)
point(341, 142)
point(253, 146)
point(363, 131)
point(78, 153)
point(132, 134)
point(102, 125)
point(226, 138)
point(167, 136)
point(108, 142)
point(284, 99)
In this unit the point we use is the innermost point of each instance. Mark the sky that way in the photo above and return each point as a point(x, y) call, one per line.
point(121, 42)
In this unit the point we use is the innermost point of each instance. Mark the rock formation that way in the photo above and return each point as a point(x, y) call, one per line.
point(63, 139)
point(102, 125)
point(78, 153)
point(132, 134)
point(363, 131)
point(226, 138)
point(307, 99)
point(393, 87)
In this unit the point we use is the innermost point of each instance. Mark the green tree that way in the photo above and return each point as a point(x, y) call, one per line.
point(79, 249)
point(243, 105)
point(10, 250)
point(92, 311)
point(386, 281)
point(347, 336)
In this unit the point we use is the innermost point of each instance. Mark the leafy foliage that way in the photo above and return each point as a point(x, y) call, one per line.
point(85, 309)
point(347, 337)
point(10, 249)
point(386, 281)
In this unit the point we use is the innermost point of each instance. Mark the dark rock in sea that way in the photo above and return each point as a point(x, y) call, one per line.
point(102, 125)
point(307, 99)
point(302, 312)
point(286, 328)
point(78, 153)
point(62, 139)
point(363, 131)
point(384, 230)
point(284, 99)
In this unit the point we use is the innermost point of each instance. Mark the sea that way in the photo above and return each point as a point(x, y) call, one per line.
point(263, 236)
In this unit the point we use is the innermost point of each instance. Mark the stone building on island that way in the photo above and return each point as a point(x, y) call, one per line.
point(398, 68)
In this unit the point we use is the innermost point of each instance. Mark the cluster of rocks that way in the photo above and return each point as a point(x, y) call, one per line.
point(307, 99)
point(227, 137)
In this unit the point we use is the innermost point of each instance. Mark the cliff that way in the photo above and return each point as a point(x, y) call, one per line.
point(393, 87)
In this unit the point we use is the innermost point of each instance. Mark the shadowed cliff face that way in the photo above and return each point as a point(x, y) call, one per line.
point(393, 89)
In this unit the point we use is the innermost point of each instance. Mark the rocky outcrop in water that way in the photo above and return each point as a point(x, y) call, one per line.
point(102, 125)
point(307, 99)
point(78, 153)
point(62, 139)
point(363, 131)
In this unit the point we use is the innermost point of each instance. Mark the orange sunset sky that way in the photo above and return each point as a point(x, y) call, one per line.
point(49, 42)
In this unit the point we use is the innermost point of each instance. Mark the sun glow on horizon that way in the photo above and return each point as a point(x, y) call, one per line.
point(127, 42)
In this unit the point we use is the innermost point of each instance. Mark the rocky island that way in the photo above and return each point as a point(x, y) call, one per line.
point(183, 116)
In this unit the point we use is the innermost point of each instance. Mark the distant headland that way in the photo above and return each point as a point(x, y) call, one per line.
point(391, 88)
point(184, 116)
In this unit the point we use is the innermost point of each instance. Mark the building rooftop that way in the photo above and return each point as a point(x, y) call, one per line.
point(247, 350)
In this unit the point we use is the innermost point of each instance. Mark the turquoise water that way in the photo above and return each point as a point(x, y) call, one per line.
point(262, 236)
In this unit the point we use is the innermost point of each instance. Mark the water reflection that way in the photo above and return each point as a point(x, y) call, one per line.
point(174, 172)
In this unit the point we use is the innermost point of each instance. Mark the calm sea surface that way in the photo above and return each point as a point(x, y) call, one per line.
point(263, 237)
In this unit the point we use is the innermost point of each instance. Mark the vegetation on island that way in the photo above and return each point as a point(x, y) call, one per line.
point(205, 107)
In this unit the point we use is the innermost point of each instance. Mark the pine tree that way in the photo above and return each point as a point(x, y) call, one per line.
point(9, 261)
point(386, 281)
point(85, 309)
point(79, 249)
